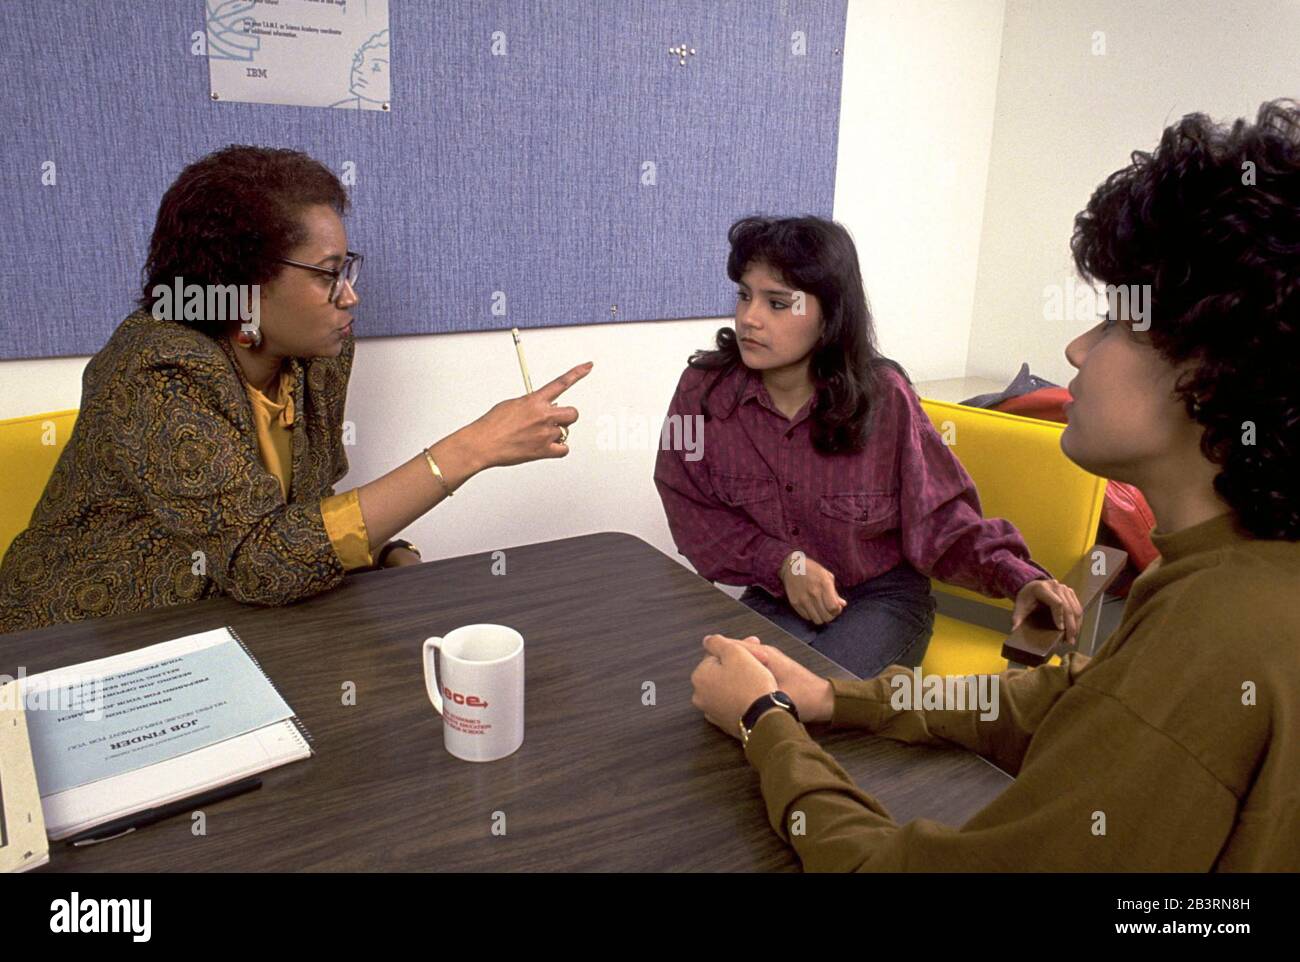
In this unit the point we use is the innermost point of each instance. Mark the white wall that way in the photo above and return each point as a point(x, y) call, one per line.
point(1066, 118)
point(915, 73)
point(916, 120)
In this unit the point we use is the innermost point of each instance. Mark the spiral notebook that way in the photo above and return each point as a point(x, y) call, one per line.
point(119, 735)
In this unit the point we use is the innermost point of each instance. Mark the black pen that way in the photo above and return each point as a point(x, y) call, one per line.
point(128, 824)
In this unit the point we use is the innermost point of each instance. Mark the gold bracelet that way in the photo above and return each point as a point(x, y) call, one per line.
point(437, 473)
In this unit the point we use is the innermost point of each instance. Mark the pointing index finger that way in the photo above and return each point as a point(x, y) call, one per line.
point(565, 381)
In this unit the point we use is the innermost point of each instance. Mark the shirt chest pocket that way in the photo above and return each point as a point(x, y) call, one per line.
point(755, 496)
point(864, 514)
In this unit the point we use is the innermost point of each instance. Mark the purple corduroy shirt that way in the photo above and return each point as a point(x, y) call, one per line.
point(759, 490)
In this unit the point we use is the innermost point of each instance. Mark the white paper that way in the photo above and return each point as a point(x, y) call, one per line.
point(76, 810)
point(306, 53)
point(136, 717)
point(67, 813)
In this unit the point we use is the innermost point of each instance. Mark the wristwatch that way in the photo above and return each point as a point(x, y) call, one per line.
point(397, 543)
point(776, 699)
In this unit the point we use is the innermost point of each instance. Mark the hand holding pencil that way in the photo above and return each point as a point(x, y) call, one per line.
point(528, 381)
point(534, 426)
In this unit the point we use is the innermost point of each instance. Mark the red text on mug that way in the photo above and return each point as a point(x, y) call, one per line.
point(470, 701)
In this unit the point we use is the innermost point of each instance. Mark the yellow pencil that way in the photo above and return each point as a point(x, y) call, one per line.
point(523, 365)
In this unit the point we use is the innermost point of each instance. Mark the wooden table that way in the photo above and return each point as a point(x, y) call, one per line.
point(602, 782)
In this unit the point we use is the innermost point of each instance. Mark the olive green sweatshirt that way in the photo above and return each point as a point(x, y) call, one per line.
point(1175, 748)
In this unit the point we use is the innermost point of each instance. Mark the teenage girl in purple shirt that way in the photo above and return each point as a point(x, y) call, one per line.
point(821, 485)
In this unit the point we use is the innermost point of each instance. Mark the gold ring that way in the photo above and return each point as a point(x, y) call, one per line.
point(564, 434)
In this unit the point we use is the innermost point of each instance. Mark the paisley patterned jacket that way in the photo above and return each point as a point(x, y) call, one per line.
point(160, 496)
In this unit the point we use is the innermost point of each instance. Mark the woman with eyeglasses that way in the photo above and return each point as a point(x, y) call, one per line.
point(209, 438)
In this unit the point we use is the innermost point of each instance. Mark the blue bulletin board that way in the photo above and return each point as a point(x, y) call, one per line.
point(556, 153)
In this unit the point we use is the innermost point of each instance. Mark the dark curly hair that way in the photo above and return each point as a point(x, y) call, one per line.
point(816, 256)
point(1211, 221)
point(230, 214)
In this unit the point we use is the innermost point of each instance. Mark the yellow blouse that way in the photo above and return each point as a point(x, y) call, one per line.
point(344, 524)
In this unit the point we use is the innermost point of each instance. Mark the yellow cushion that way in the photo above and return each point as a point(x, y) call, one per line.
point(29, 448)
point(1022, 475)
point(960, 648)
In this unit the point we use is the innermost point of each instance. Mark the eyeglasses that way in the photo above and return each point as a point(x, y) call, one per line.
point(349, 271)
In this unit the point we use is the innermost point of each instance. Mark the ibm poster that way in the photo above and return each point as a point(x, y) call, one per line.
point(306, 53)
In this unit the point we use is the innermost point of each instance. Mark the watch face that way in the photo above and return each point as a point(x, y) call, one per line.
point(782, 699)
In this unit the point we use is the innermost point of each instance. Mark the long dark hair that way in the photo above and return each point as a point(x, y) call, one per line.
point(1211, 220)
point(229, 215)
point(816, 256)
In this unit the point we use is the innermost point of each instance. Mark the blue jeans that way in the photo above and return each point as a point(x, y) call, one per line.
point(888, 621)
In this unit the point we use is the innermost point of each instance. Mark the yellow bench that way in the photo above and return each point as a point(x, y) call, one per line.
point(29, 448)
point(1021, 475)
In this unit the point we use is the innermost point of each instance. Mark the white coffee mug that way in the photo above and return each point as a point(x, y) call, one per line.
point(480, 690)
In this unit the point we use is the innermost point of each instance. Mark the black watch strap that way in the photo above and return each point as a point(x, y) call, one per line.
point(776, 699)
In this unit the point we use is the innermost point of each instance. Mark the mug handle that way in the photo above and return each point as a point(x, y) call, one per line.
point(431, 673)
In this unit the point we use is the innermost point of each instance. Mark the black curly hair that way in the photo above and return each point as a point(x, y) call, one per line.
point(229, 215)
point(1211, 221)
point(815, 255)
